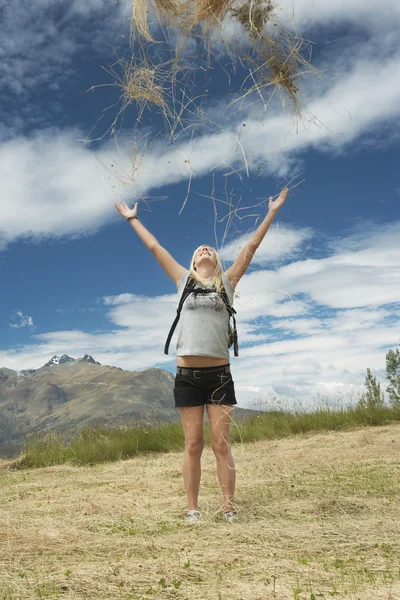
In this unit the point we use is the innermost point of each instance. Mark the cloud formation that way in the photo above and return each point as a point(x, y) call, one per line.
point(283, 242)
point(23, 321)
point(43, 37)
point(39, 44)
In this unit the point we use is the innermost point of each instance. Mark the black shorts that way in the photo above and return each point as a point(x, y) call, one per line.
point(205, 385)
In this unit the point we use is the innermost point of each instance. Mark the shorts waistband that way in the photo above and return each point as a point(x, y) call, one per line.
point(201, 370)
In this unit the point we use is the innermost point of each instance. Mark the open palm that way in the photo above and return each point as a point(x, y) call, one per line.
point(275, 205)
point(125, 211)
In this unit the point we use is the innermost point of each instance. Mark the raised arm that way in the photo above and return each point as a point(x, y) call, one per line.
point(168, 263)
point(239, 267)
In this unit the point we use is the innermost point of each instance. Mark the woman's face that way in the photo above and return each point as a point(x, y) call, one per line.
point(205, 253)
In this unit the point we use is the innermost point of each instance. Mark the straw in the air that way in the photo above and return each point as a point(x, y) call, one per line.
point(253, 15)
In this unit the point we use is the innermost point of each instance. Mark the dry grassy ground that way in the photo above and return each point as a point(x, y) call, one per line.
point(318, 518)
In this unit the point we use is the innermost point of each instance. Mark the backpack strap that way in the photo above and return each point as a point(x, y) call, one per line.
point(188, 289)
point(232, 313)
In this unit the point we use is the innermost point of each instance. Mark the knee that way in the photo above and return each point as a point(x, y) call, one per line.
point(194, 447)
point(221, 447)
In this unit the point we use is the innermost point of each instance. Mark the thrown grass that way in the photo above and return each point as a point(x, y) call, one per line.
point(139, 85)
point(100, 444)
point(317, 519)
point(185, 14)
point(277, 56)
point(188, 14)
point(142, 83)
point(254, 15)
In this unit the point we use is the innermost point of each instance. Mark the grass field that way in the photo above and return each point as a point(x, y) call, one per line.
point(318, 519)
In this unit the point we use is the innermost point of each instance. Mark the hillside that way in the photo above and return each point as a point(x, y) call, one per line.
point(318, 519)
point(66, 394)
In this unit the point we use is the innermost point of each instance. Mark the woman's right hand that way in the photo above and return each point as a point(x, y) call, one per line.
point(125, 211)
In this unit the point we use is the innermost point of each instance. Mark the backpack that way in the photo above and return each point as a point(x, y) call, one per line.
point(191, 289)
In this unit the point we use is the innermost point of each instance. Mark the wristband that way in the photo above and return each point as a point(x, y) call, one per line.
point(129, 218)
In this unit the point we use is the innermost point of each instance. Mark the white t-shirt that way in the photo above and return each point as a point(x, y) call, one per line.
point(203, 324)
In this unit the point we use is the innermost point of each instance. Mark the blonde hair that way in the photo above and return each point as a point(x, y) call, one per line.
point(216, 279)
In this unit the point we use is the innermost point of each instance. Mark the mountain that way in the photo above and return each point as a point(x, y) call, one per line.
point(89, 359)
point(67, 394)
point(59, 360)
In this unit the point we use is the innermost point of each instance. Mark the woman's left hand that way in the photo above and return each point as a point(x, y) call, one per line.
point(275, 205)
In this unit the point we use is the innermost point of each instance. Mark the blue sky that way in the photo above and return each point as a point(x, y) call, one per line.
point(321, 302)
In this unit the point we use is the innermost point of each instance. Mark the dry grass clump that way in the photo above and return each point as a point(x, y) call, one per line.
point(168, 11)
point(140, 85)
point(281, 65)
point(212, 11)
point(187, 14)
point(276, 58)
point(253, 15)
point(139, 18)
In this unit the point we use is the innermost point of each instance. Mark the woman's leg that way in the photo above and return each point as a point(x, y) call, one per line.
point(220, 420)
point(192, 422)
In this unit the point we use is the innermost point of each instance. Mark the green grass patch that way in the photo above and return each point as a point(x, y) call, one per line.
point(95, 445)
point(280, 424)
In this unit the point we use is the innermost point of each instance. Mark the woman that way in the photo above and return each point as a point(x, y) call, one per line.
point(203, 372)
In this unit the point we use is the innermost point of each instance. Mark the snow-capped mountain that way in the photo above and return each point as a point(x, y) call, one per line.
point(89, 359)
point(62, 359)
point(59, 360)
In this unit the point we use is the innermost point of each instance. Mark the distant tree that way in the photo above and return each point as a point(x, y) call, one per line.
point(393, 374)
point(372, 397)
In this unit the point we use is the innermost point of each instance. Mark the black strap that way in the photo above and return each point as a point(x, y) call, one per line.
point(232, 313)
point(190, 289)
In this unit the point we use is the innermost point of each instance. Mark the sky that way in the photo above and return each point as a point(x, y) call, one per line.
point(320, 302)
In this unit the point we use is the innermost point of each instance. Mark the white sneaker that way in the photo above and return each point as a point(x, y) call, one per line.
point(192, 516)
point(230, 516)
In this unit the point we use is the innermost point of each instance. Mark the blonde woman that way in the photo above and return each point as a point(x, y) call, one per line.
point(203, 375)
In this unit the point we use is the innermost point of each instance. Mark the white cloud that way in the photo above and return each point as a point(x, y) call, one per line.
point(40, 39)
point(341, 114)
point(128, 349)
point(23, 321)
point(307, 13)
point(364, 277)
point(301, 326)
point(39, 43)
point(58, 182)
point(143, 314)
point(281, 243)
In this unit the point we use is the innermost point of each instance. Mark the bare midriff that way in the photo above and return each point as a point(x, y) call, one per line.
point(200, 361)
